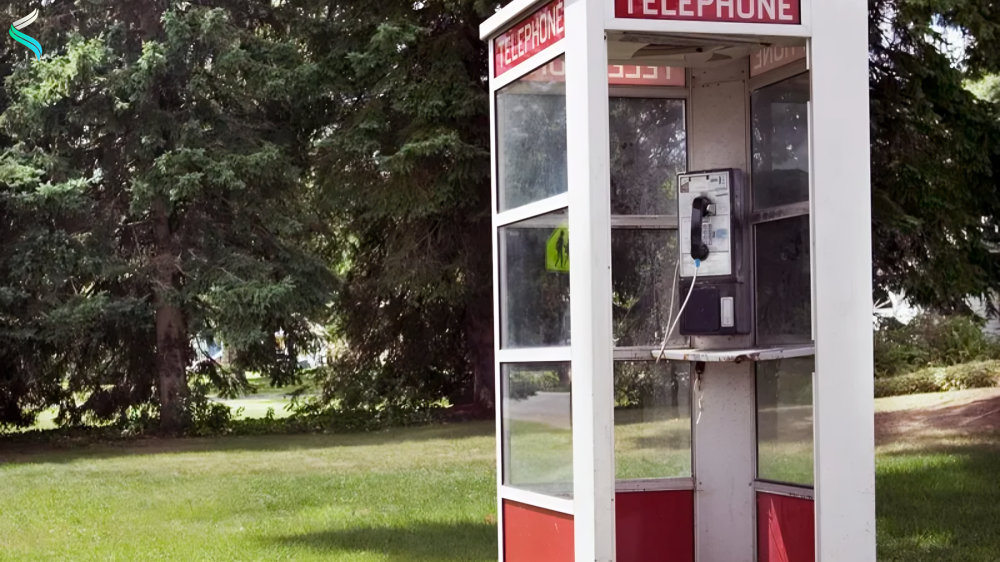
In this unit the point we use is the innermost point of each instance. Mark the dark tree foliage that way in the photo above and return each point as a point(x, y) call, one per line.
point(181, 169)
point(156, 164)
point(405, 165)
point(935, 148)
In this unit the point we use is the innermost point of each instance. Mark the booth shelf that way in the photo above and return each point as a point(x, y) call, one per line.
point(736, 355)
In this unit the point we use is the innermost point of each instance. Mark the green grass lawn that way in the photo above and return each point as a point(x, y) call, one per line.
point(938, 491)
point(940, 503)
point(414, 495)
point(652, 443)
point(410, 495)
point(266, 397)
point(251, 406)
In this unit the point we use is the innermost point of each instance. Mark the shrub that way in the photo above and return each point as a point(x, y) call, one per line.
point(931, 340)
point(982, 374)
point(525, 384)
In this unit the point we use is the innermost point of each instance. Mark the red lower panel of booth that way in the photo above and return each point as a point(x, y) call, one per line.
point(785, 529)
point(533, 534)
point(650, 526)
point(655, 526)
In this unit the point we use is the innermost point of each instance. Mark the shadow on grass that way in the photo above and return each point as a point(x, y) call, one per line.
point(939, 505)
point(18, 450)
point(420, 542)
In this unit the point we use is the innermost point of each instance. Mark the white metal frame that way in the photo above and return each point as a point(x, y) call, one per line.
point(544, 501)
point(531, 210)
point(503, 356)
point(842, 283)
point(529, 65)
point(590, 282)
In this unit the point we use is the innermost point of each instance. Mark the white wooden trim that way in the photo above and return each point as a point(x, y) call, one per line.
point(509, 15)
point(497, 386)
point(551, 503)
point(590, 281)
point(529, 65)
point(538, 208)
point(805, 13)
point(534, 355)
point(842, 283)
point(707, 28)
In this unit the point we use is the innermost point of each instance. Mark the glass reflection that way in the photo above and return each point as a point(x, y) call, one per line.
point(784, 290)
point(531, 131)
point(648, 150)
point(537, 429)
point(535, 276)
point(785, 421)
point(652, 420)
point(643, 265)
point(780, 138)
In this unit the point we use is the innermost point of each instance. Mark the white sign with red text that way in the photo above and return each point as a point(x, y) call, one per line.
point(529, 37)
point(739, 11)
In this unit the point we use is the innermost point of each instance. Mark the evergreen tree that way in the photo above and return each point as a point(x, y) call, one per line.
point(405, 164)
point(935, 150)
point(185, 129)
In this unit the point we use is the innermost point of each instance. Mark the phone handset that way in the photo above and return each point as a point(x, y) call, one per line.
point(701, 207)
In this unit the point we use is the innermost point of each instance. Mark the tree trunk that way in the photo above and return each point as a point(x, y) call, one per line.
point(479, 335)
point(171, 326)
point(478, 321)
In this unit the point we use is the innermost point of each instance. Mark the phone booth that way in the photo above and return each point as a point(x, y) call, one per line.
point(682, 260)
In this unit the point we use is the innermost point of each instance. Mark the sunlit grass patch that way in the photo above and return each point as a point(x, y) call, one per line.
point(939, 502)
point(419, 495)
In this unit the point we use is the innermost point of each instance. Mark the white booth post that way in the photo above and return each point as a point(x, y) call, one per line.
point(590, 281)
point(842, 283)
point(728, 409)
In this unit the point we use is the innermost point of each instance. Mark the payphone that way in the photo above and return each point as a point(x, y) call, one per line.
point(714, 284)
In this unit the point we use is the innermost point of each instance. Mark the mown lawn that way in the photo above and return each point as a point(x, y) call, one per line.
point(940, 503)
point(410, 495)
point(415, 495)
point(252, 406)
point(938, 488)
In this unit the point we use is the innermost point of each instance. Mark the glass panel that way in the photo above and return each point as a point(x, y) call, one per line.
point(652, 420)
point(784, 293)
point(648, 150)
point(780, 138)
point(643, 266)
point(535, 276)
point(531, 136)
point(785, 421)
point(538, 435)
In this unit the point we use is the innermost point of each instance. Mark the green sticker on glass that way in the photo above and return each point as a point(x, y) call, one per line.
point(557, 250)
